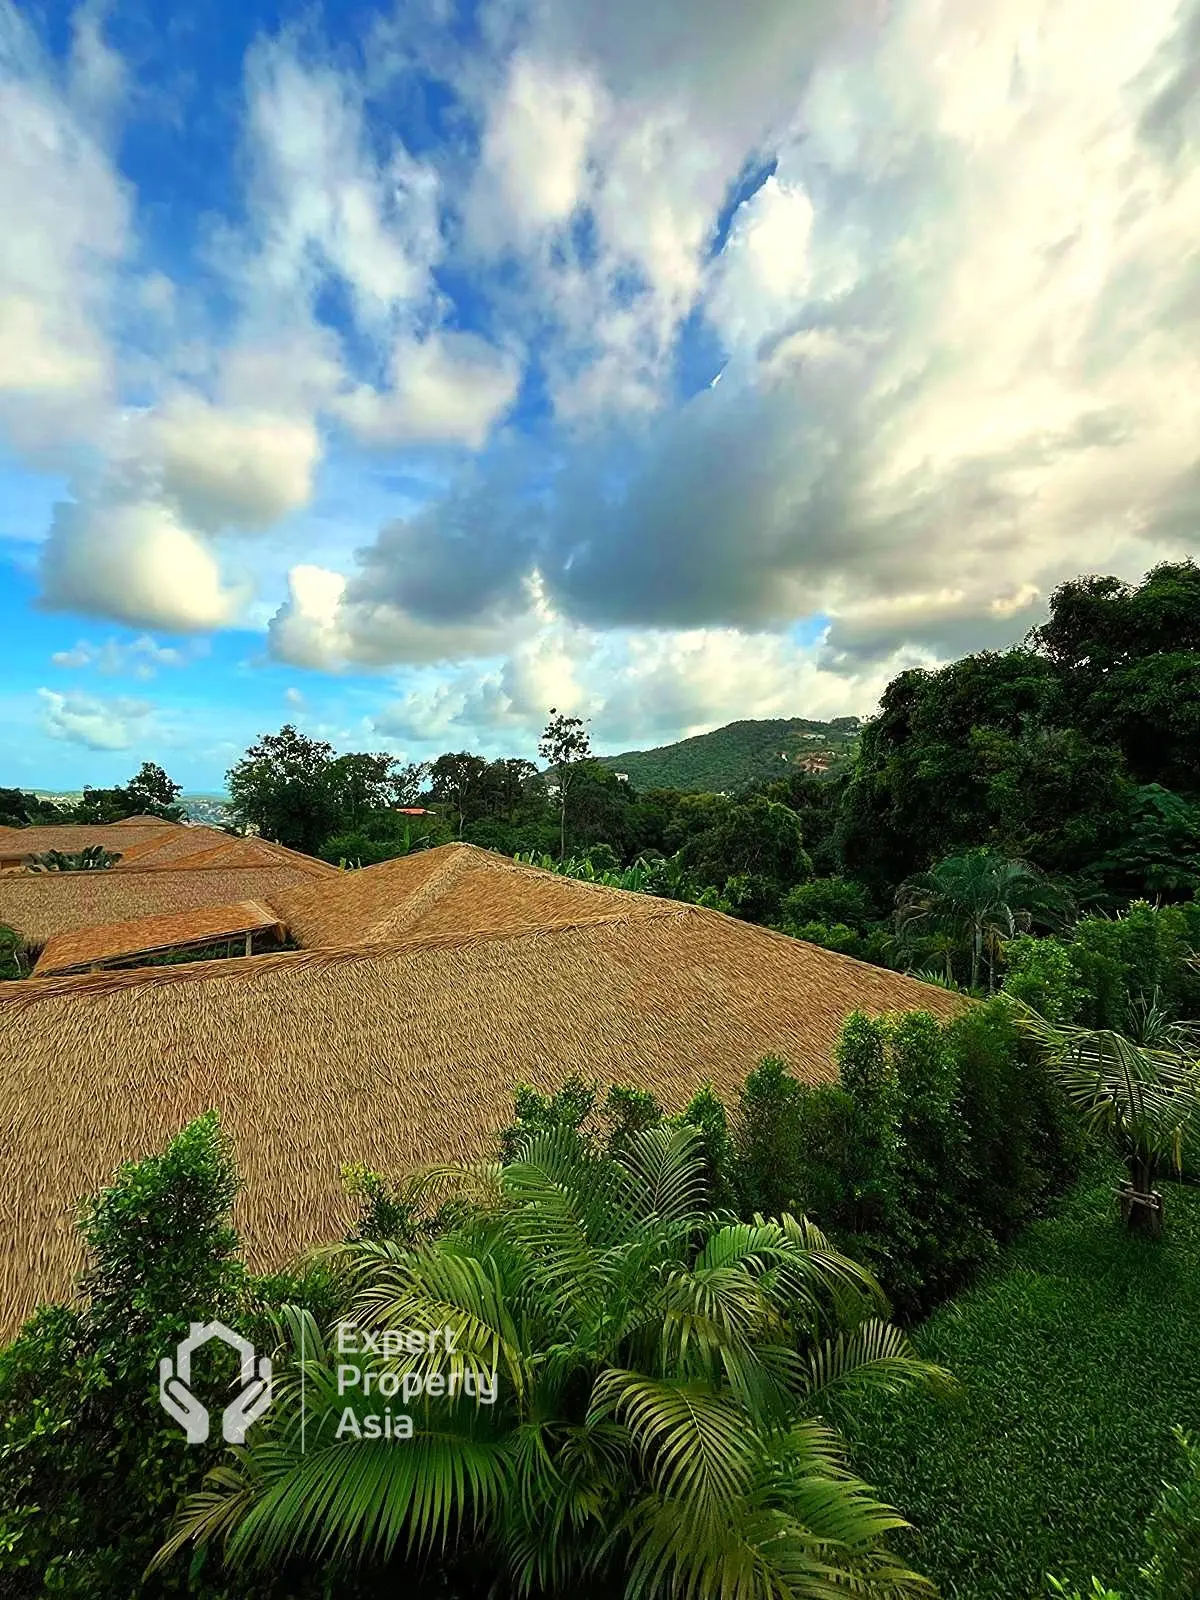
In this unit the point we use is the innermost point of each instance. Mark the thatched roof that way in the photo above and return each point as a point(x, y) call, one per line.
point(455, 888)
point(72, 837)
point(211, 847)
point(390, 1056)
point(113, 941)
point(148, 842)
point(41, 904)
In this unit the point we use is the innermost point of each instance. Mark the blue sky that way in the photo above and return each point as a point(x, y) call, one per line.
point(402, 371)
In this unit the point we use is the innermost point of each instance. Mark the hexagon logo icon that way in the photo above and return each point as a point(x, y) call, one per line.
point(178, 1401)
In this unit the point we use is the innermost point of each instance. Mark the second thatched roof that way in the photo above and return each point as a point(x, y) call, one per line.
point(39, 905)
point(177, 930)
point(389, 1056)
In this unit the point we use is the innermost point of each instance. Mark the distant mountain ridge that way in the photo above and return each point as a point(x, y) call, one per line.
point(729, 758)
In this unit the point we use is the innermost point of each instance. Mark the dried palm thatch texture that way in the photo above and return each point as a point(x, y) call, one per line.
point(18, 843)
point(210, 847)
point(113, 941)
point(455, 888)
point(40, 905)
point(389, 1056)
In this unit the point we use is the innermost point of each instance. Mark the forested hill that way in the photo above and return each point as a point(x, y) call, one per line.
point(728, 758)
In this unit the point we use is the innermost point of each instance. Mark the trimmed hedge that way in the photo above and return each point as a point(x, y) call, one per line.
point(1076, 1357)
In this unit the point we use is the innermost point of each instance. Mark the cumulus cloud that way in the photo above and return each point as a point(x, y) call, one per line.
point(449, 388)
point(225, 468)
point(325, 625)
point(135, 562)
point(637, 689)
point(67, 229)
point(95, 724)
point(323, 199)
point(955, 330)
point(138, 658)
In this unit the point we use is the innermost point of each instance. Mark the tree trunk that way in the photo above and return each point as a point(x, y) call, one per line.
point(1141, 1203)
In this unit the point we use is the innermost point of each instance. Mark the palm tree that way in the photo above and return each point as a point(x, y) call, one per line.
point(660, 1375)
point(976, 900)
point(94, 859)
point(1143, 1098)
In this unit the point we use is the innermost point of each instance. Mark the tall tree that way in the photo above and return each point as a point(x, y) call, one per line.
point(360, 784)
point(458, 780)
point(282, 787)
point(510, 780)
point(152, 793)
point(564, 744)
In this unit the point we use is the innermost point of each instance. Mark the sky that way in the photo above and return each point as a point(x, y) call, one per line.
point(405, 371)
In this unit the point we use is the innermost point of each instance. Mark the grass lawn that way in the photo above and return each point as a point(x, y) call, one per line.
point(1075, 1356)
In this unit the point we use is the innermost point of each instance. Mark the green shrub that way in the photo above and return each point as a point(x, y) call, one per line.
point(1127, 960)
point(768, 1141)
point(1042, 974)
point(606, 1127)
point(938, 1142)
point(90, 1467)
point(832, 901)
point(706, 1113)
point(1172, 1538)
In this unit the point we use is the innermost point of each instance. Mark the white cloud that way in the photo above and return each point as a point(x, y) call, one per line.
point(135, 562)
point(449, 388)
point(532, 168)
point(294, 697)
point(66, 230)
point(324, 200)
point(224, 468)
point(323, 627)
point(95, 724)
point(138, 658)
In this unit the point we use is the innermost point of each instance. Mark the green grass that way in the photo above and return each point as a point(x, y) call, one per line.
point(1074, 1358)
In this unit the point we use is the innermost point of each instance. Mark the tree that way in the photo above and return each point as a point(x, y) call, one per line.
point(564, 744)
point(458, 781)
point(150, 792)
point(758, 840)
point(657, 1378)
point(976, 900)
point(509, 783)
point(1143, 1098)
point(360, 784)
point(410, 782)
point(282, 786)
point(20, 810)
